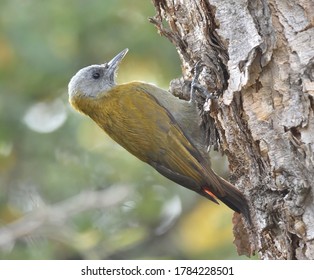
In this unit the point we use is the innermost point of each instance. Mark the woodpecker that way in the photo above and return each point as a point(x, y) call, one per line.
point(155, 126)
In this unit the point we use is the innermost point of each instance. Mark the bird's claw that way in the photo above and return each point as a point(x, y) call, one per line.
point(195, 85)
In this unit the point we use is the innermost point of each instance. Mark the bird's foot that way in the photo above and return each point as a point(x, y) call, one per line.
point(196, 86)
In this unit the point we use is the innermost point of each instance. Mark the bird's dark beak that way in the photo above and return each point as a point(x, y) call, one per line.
point(114, 63)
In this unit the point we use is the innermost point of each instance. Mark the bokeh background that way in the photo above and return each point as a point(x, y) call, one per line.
point(50, 154)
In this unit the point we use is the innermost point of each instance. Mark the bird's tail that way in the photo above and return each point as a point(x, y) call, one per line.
point(233, 198)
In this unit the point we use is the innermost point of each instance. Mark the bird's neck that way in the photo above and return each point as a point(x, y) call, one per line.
point(84, 104)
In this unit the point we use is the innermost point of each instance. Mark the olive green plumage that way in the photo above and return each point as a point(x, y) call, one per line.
point(154, 126)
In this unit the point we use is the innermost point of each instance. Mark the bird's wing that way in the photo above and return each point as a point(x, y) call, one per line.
point(136, 120)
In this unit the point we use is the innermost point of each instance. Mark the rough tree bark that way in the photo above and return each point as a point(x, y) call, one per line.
point(259, 58)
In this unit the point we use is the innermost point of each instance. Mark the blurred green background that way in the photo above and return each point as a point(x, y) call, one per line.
point(50, 153)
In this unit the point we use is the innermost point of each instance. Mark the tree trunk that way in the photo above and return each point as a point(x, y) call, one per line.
point(258, 57)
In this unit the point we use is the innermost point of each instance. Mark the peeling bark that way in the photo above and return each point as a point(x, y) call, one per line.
point(259, 60)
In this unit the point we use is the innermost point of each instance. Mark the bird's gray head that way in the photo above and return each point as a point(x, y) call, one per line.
point(91, 80)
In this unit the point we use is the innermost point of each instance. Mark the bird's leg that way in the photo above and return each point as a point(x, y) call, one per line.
point(195, 85)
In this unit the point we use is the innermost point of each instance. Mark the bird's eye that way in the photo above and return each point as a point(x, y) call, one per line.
point(96, 75)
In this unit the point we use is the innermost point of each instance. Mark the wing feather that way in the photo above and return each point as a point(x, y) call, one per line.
point(151, 133)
